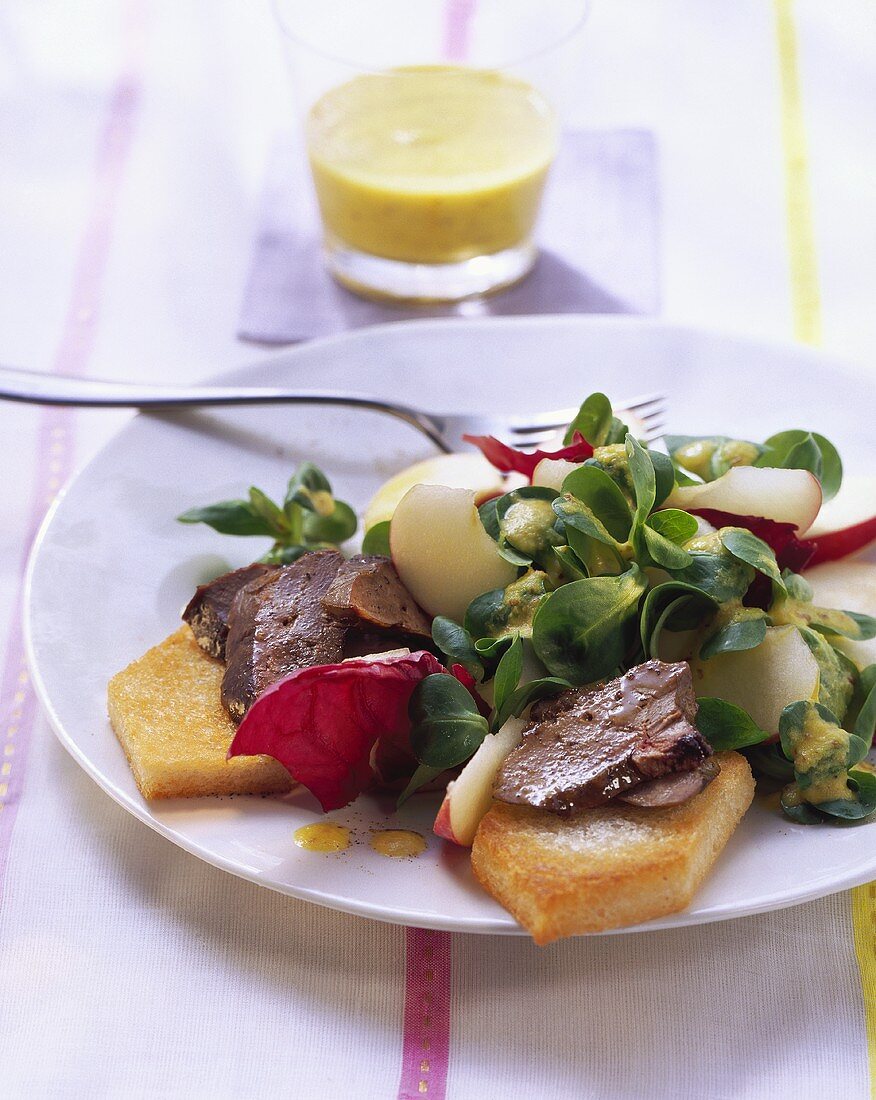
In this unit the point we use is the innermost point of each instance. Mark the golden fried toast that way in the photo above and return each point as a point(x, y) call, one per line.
point(165, 709)
point(607, 867)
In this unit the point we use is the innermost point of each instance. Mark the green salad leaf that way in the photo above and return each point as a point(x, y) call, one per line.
point(508, 672)
point(726, 726)
point(334, 528)
point(310, 488)
point(515, 703)
point(422, 775)
point(527, 523)
point(490, 522)
point(605, 506)
point(376, 540)
point(664, 476)
point(593, 421)
point(738, 635)
point(861, 715)
point(837, 674)
point(802, 450)
point(309, 519)
point(661, 550)
point(229, 517)
point(284, 555)
point(570, 565)
point(674, 524)
point(823, 754)
point(585, 629)
point(769, 760)
point(748, 548)
point(446, 725)
point(673, 605)
point(457, 644)
point(596, 421)
point(644, 480)
point(719, 575)
point(576, 516)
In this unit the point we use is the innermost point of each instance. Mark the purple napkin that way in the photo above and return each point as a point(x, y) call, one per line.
point(598, 236)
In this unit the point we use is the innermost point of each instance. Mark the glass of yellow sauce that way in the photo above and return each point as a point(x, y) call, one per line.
point(428, 138)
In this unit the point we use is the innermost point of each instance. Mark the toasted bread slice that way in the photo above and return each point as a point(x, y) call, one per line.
point(608, 867)
point(166, 712)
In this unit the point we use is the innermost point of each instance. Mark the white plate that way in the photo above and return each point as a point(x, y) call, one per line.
point(112, 570)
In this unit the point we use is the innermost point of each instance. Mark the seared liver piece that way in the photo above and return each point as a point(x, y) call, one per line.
point(672, 790)
point(277, 624)
point(367, 589)
point(588, 745)
point(207, 611)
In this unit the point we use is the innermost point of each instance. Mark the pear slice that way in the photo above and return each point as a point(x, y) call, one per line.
point(552, 472)
point(441, 551)
point(849, 586)
point(470, 795)
point(763, 681)
point(787, 496)
point(467, 470)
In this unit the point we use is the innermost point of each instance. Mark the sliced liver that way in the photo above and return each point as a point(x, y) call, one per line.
point(367, 590)
point(277, 624)
point(207, 611)
point(589, 745)
point(672, 790)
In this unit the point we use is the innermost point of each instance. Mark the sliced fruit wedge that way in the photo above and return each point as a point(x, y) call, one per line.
point(468, 470)
point(764, 680)
point(441, 551)
point(470, 795)
point(786, 496)
point(850, 586)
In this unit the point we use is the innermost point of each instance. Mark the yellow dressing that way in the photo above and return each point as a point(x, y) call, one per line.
point(528, 525)
point(822, 749)
point(696, 457)
point(431, 164)
point(398, 843)
point(324, 836)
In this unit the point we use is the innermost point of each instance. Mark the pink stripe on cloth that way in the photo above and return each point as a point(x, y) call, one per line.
point(457, 17)
point(426, 1050)
point(55, 434)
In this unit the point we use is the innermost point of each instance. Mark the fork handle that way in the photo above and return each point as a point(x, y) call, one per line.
point(36, 388)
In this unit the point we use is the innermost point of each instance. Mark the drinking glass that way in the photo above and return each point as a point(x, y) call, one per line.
point(430, 131)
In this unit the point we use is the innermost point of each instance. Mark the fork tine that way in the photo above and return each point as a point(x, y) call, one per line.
point(646, 406)
point(655, 431)
point(534, 438)
point(544, 422)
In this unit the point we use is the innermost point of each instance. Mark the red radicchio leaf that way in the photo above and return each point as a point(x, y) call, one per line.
point(510, 460)
point(834, 545)
point(322, 722)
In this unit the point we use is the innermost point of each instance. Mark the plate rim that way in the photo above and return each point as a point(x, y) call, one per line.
point(370, 910)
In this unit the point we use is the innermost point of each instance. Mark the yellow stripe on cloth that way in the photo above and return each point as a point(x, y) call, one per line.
point(806, 312)
point(864, 924)
point(805, 295)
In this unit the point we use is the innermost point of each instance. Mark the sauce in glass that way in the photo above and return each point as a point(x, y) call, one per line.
point(431, 164)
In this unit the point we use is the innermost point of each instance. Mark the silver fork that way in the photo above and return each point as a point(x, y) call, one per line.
point(444, 430)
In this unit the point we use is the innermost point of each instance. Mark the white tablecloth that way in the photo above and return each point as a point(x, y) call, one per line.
point(133, 142)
